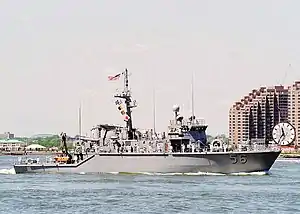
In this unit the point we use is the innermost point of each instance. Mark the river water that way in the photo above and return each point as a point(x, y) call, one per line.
point(278, 192)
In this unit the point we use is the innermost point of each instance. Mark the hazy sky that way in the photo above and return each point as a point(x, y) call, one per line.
point(55, 53)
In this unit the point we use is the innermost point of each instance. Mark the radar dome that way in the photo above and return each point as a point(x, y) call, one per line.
point(176, 108)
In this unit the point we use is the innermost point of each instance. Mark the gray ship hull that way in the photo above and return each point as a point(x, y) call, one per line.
point(210, 162)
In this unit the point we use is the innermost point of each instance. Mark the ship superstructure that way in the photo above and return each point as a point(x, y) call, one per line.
point(187, 134)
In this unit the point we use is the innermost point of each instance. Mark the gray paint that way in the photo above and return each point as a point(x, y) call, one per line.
point(220, 162)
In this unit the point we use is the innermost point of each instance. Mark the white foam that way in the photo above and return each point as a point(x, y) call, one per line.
point(198, 174)
point(171, 173)
point(204, 173)
point(292, 160)
point(218, 174)
point(249, 173)
point(12, 172)
point(115, 173)
point(8, 171)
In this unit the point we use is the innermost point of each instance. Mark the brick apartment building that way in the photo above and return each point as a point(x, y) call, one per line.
point(294, 108)
point(255, 115)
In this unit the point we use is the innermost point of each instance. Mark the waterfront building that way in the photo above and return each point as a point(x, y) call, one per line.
point(294, 108)
point(12, 145)
point(254, 116)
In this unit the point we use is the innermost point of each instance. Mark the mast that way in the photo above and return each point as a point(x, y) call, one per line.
point(193, 109)
point(79, 120)
point(154, 112)
point(126, 95)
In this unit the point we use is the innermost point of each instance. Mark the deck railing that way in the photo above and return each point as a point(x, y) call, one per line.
point(186, 122)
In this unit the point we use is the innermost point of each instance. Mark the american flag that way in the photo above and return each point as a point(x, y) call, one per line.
point(116, 77)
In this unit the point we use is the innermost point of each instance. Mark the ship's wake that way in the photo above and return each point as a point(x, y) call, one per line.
point(194, 174)
point(12, 172)
point(8, 171)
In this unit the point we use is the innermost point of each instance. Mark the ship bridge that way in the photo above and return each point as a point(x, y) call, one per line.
point(188, 130)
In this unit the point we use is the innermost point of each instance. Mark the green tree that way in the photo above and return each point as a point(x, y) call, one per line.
point(53, 141)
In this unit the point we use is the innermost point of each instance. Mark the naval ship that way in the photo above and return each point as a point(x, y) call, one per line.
point(184, 149)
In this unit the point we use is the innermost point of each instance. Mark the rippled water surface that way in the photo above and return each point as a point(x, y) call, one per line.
point(278, 192)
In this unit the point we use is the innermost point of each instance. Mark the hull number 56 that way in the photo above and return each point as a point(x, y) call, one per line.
point(238, 158)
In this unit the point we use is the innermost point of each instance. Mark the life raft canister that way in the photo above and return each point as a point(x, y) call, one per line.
point(61, 159)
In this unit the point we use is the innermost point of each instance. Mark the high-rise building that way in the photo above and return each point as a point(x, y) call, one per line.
point(294, 108)
point(7, 135)
point(254, 116)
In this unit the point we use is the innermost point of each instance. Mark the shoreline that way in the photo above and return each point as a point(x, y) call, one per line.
point(21, 153)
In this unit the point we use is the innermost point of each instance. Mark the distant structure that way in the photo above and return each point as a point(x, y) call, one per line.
point(41, 136)
point(255, 115)
point(294, 108)
point(12, 145)
point(7, 135)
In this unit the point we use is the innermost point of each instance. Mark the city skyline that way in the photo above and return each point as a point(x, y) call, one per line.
point(55, 55)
